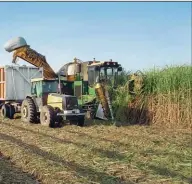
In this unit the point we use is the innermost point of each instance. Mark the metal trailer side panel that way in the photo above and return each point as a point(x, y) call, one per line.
point(18, 81)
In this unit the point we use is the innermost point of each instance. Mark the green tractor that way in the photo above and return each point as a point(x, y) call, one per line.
point(88, 81)
point(49, 106)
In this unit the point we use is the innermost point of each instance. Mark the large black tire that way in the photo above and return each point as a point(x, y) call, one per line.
point(11, 111)
point(73, 121)
point(5, 111)
point(47, 116)
point(28, 111)
point(58, 119)
point(81, 121)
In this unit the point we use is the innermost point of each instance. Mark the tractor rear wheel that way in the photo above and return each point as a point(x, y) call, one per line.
point(47, 116)
point(28, 111)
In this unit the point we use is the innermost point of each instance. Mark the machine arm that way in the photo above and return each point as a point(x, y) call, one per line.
point(34, 58)
point(23, 51)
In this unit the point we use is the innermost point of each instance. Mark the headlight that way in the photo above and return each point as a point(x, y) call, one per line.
point(77, 111)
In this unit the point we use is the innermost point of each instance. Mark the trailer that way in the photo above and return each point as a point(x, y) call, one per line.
point(15, 85)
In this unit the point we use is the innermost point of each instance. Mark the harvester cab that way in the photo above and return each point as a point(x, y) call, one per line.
point(88, 81)
point(103, 72)
point(100, 76)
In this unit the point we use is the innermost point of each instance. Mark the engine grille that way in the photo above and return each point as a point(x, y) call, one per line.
point(71, 103)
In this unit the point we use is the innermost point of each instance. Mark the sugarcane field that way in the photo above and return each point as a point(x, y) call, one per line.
point(95, 93)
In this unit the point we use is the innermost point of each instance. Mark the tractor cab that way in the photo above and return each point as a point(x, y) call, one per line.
point(105, 72)
point(41, 86)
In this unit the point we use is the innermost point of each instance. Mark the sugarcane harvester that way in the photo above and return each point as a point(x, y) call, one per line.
point(89, 81)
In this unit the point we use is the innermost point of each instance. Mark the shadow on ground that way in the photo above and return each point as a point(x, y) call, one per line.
point(84, 171)
point(164, 172)
point(10, 174)
point(68, 141)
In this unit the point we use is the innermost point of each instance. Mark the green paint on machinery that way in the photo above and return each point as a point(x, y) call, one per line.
point(88, 81)
point(85, 80)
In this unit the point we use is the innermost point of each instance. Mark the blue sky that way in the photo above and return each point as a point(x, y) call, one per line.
point(139, 35)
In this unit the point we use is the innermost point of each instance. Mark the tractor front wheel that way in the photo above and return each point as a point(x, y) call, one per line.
point(28, 111)
point(47, 116)
point(81, 121)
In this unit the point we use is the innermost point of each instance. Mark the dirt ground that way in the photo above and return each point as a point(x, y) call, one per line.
point(96, 153)
point(9, 174)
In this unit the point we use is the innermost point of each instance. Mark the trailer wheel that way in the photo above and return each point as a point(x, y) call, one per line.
point(28, 111)
point(47, 116)
point(5, 111)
